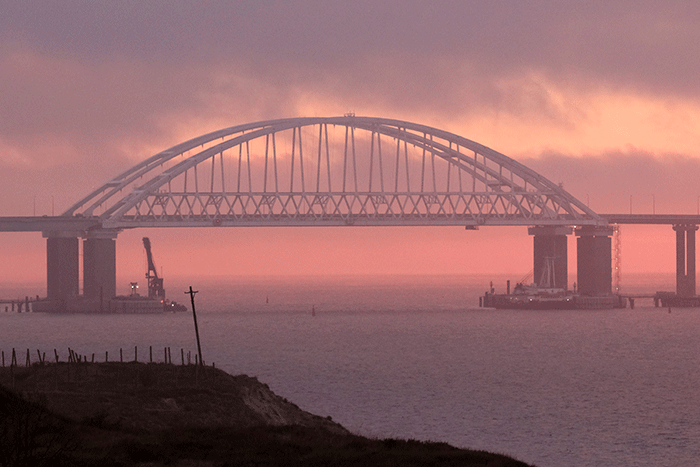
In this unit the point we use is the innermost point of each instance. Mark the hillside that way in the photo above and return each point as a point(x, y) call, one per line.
point(159, 414)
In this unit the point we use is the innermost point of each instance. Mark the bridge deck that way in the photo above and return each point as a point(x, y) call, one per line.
point(83, 224)
point(48, 223)
point(652, 219)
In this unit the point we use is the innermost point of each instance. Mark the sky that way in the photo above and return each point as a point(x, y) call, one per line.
point(600, 96)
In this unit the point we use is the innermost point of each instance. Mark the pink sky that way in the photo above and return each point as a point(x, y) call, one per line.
point(601, 97)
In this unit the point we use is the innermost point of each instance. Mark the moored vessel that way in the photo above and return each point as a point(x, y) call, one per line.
point(544, 296)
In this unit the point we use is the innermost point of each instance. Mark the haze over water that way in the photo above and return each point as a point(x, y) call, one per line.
point(412, 357)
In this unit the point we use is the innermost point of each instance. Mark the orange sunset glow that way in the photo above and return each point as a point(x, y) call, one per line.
point(601, 100)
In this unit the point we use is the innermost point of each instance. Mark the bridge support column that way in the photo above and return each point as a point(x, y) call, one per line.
point(62, 265)
point(685, 259)
point(550, 245)
point(594, 260)
point(100, 266)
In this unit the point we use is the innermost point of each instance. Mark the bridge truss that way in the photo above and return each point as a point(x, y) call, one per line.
point(330, 171)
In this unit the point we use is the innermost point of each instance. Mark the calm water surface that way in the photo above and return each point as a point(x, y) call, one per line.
point(412, 357)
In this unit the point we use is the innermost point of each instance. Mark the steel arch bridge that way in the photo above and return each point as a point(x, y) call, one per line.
point(330, 171)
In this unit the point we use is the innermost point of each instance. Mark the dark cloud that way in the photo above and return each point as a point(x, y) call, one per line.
point(642, 45)
point(128, 64)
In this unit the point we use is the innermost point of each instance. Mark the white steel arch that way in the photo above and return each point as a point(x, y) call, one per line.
point(331, 171)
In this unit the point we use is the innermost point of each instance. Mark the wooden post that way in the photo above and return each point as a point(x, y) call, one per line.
point(55, 354)
point(196, 329)
point(28, 363)
point(106, 356)
point(182, 356)
point(150, 353)
point(121, 356)
point(136, 353)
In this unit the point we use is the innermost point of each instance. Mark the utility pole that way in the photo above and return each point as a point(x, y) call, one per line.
point(196, 329)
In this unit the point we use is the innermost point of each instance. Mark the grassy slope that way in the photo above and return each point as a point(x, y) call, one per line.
point(118, 414)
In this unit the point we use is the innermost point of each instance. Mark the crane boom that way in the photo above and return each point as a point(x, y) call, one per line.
point(149, 256)
point(155, 283)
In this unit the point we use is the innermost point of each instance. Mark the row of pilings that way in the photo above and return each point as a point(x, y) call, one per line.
point(21, 305)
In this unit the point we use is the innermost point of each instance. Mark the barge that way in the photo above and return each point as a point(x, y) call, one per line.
point(545, 296)
point(548, 301)
point(117, 305)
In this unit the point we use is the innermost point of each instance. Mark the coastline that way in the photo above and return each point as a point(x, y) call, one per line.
point(163, 414)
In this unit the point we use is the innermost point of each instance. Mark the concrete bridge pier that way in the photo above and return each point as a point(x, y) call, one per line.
point(550, 245)
point(594, 260)
point(62, 268)
point(100, 266)
point(685, 259)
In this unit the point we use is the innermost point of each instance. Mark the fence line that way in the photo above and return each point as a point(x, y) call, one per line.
point(75, 357)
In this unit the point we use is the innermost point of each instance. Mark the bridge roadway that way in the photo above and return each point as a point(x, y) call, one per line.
point(49, 224)
point(652, 219)
point(95, 223)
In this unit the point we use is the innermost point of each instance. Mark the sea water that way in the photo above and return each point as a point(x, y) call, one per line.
point(414, 357)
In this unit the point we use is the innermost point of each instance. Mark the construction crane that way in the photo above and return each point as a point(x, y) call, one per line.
point(155, 283)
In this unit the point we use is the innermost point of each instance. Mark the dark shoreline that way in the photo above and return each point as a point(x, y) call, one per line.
point(122, 414)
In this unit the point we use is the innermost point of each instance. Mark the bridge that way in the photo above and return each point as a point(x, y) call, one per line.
point(334, 171)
